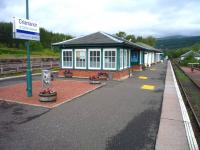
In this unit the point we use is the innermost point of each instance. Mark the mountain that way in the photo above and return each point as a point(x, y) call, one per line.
point(176, 41)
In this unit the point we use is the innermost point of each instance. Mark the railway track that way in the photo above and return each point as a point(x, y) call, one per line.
point(195, 111)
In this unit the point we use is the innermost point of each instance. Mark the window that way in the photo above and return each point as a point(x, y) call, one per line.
point(67, 58)
point(121, 58)
point(80, 56)
point(125, 58)
point(94, 59)
point(109, 59)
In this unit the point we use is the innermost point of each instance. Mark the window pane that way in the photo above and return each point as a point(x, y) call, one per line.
point(67, 58)
point(113, 59)
point(94, 58)
point(109, 53)
point(113, 53)
point(80, 58)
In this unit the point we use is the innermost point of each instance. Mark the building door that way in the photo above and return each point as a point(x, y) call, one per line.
point(135, 58)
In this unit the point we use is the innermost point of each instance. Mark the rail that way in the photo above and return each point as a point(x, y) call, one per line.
point(184, 92)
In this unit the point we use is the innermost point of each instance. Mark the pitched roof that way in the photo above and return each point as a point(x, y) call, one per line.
point(194, 54)
point(95, 38)
point(145, 46)
point(103, 38)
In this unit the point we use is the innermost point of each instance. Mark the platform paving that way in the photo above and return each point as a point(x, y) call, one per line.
point(118, 116)
point(172, 133)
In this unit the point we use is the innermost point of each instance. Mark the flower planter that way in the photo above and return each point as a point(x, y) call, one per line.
point(48, 97)
point(68, 75)
point(95, 81)
point(103, 78)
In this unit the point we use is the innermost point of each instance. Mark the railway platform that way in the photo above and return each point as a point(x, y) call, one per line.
point(175, 131)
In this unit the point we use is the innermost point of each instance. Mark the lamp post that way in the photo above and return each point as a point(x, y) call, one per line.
point(28, 68)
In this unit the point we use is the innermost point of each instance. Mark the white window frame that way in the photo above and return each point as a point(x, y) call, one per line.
point(109, 49)
point(67, 50)
point(121, 59)
point(93, 68)
point(129, 58)
point(83, 50)
point(125, 58)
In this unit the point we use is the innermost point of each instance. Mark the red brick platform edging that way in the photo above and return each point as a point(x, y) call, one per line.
point(67, 90)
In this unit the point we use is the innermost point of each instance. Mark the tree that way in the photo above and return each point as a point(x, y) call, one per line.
point(150, 40)
point(121, 34)
point(46, 38)
point(131, 38)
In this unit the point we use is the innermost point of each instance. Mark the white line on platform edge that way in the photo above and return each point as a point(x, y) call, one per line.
point(188, 128)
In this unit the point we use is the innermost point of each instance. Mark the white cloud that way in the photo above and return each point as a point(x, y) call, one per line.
point(77, 17)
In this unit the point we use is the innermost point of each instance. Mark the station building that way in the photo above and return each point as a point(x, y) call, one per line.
point(86, 56)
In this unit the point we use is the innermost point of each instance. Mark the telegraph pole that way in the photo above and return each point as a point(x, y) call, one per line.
point(28, 68)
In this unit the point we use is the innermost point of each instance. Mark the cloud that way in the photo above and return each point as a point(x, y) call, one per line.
point(77, 17)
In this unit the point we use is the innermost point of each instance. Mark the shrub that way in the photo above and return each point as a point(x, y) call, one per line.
point(189, 59)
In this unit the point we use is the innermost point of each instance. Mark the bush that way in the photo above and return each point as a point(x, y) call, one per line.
point(35, 46)
point(189, 59)
point(2, 45)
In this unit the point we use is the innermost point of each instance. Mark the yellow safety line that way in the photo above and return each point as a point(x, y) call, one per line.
point(148, 87)
point(143, 77)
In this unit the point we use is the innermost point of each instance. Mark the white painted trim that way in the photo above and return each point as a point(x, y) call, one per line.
point(129, 57)
point(188, 127)
point(109, 49)
point(121, 60)
point(109, 36)
point(140, 57)
point(63, 42)
point(83, 50)
point(126, 60)
point(93, 49)
point(64, 50)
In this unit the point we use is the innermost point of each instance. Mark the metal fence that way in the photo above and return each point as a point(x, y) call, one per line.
point(21, 67)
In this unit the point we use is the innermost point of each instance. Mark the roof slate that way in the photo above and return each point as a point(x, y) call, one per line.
point(104, 38)
point(95, 38)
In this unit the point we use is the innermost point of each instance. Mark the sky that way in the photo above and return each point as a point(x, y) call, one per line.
point(157, 18)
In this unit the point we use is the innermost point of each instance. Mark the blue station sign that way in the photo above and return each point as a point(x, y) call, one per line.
point(25, 29)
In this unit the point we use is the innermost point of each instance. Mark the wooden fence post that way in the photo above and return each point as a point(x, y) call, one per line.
point(51, 64)
point(1, 69)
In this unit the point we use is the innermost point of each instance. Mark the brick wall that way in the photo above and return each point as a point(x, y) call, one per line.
point(116, 75)
point(137, 68)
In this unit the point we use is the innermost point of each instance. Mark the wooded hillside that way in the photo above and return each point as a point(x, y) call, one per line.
point(46, 38)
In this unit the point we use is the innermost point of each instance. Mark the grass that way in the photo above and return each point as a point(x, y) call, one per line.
point(182, 76)
point(192, 91)
point(193, 94)
point(11, 53)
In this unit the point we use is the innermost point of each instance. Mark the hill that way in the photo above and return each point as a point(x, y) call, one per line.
point(177, 41)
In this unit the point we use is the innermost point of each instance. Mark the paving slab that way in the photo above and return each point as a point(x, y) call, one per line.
point(66, 90)
point(171, 134)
